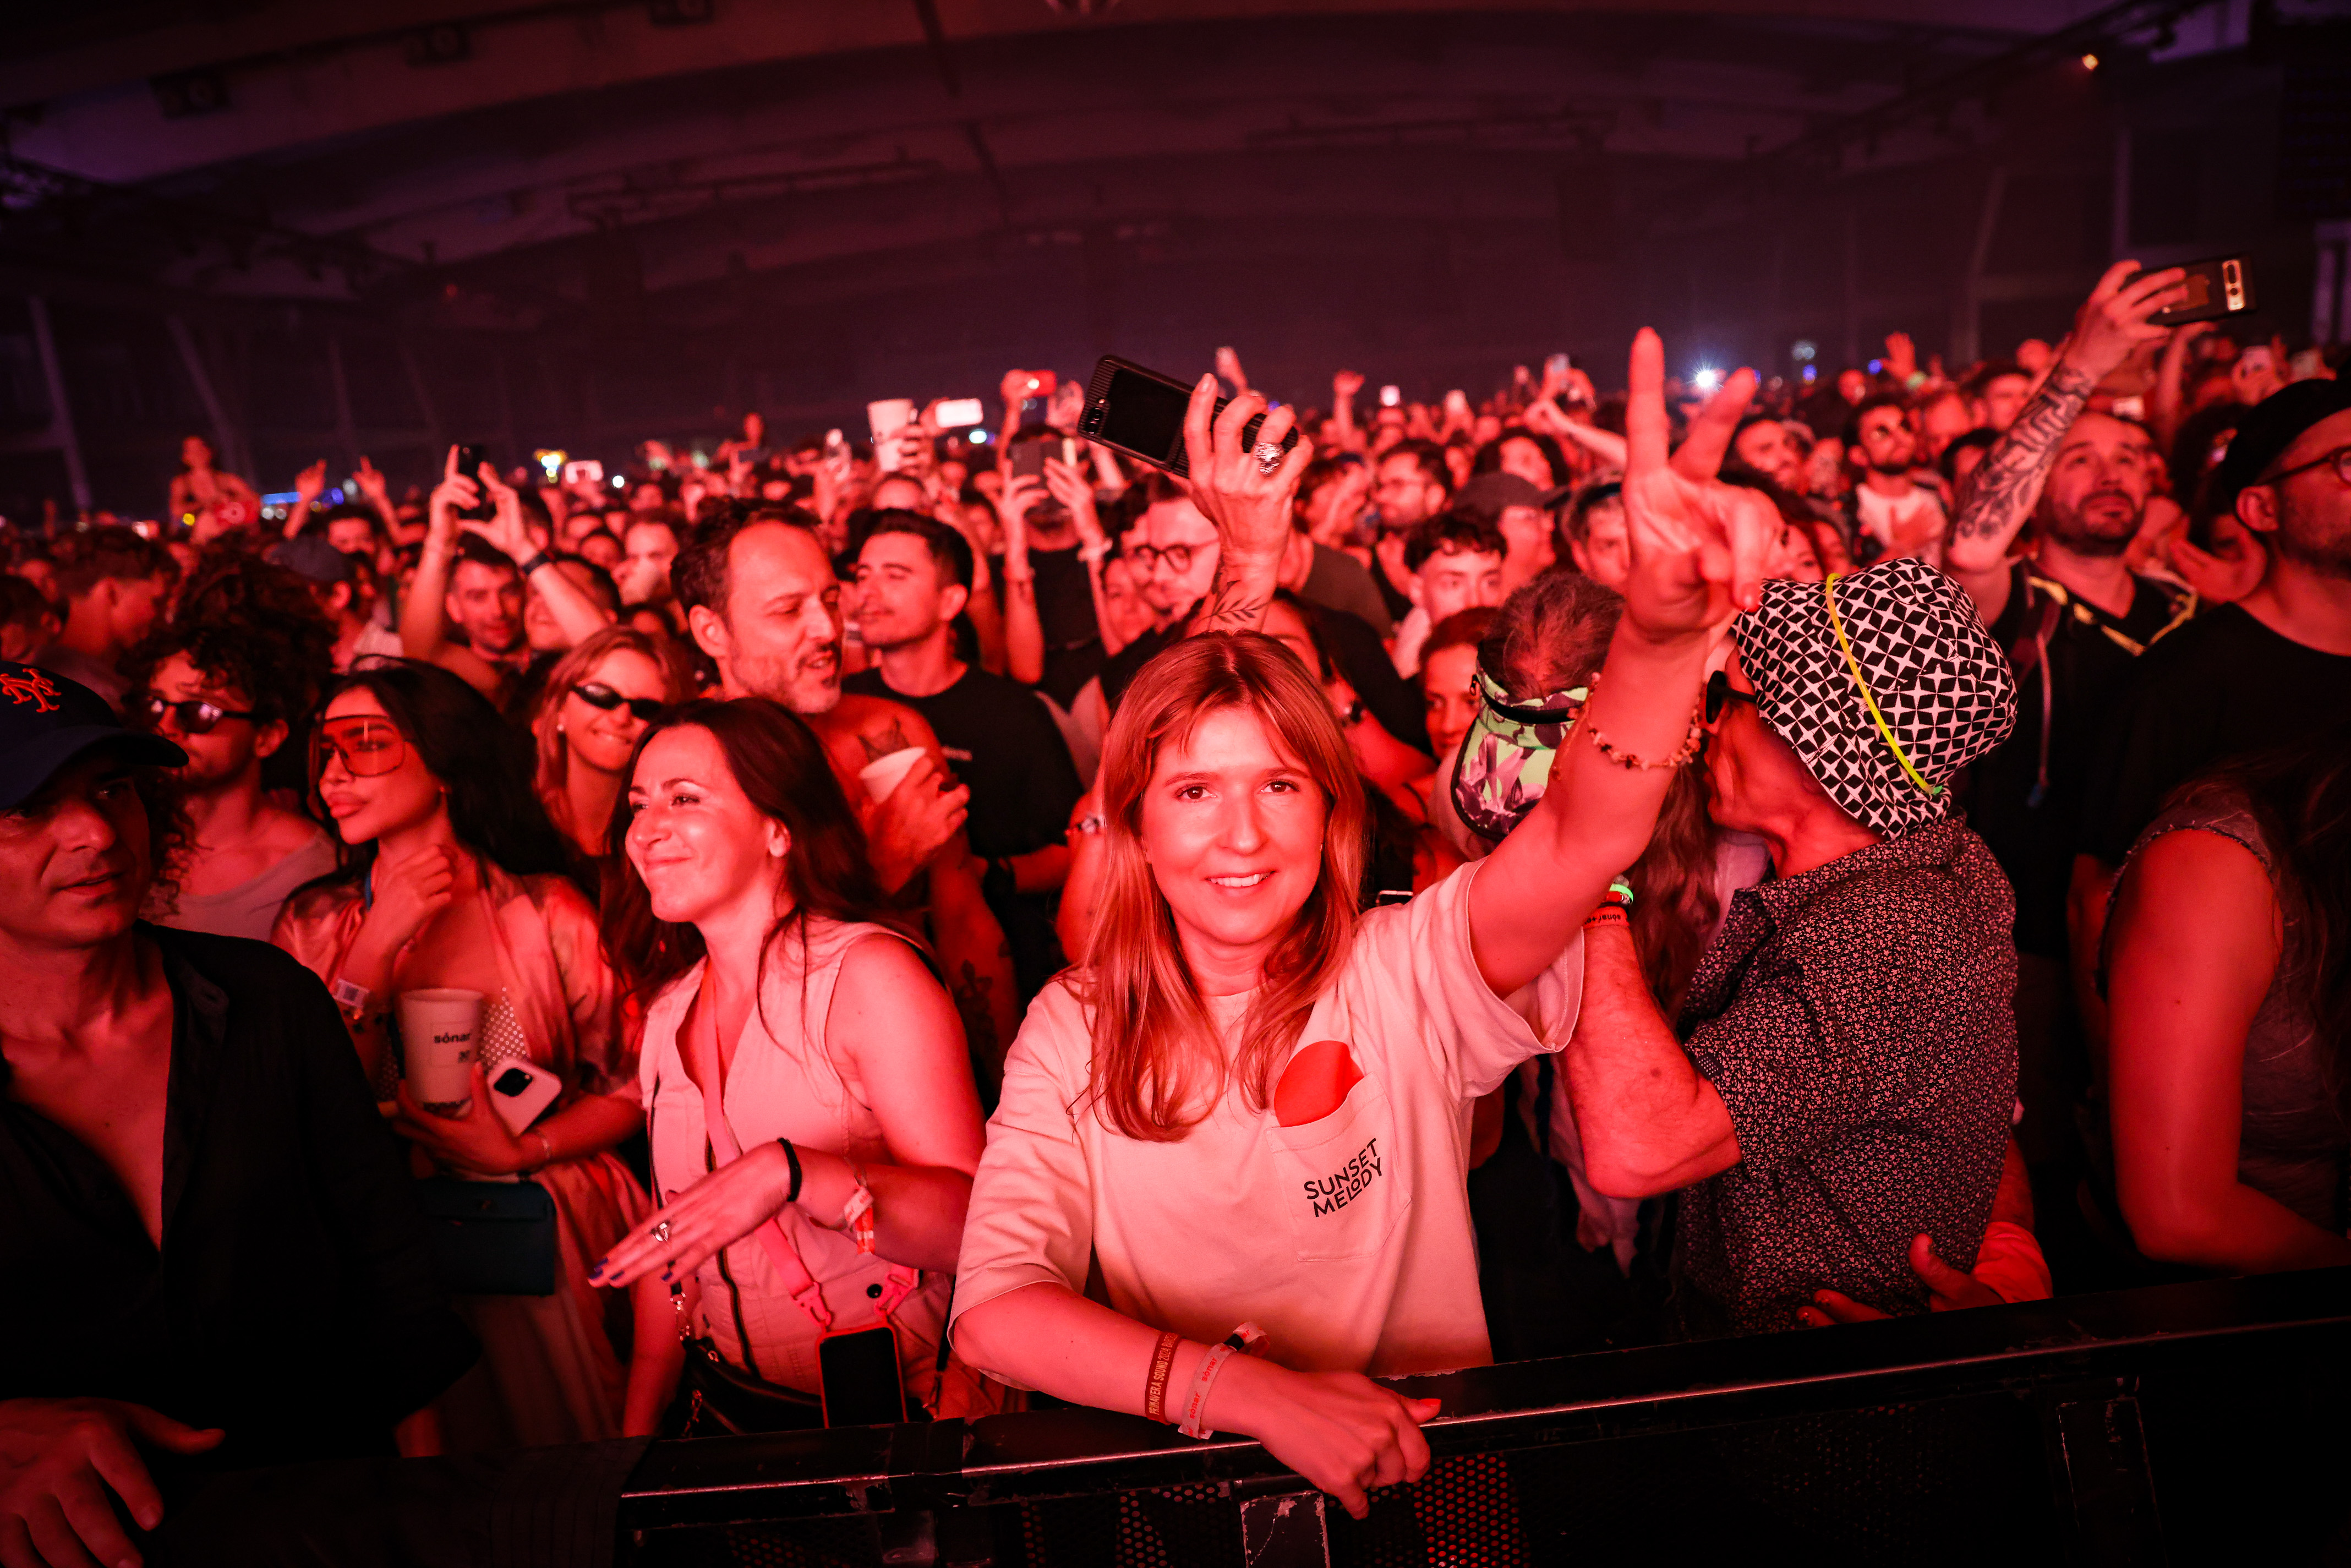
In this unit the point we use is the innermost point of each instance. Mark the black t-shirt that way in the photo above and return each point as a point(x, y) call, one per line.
point(2031, 822)
point(2219, 687)
point(1065, 610)
point(1354, 648)
point(1001, 741)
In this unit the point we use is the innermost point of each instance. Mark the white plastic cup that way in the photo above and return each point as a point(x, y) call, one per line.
point(885, 773)
point(437, 1031)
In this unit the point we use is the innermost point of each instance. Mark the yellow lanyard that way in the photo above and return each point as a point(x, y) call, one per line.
point(1828, 596)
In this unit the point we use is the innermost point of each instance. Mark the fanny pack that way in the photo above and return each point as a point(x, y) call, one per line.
point(1504, 764)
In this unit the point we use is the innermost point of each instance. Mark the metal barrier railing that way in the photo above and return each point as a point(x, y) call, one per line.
point(2108, 1429)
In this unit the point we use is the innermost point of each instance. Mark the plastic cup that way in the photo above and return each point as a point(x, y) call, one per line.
point(437, 1030)
point(885, 773)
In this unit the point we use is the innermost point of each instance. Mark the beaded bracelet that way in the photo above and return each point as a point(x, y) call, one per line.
point(1688, 751)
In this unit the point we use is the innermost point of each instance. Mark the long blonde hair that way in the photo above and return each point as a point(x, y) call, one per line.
point(1156, 1068)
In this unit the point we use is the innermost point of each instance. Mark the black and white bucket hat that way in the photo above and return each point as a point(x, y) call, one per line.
point(1884, 682)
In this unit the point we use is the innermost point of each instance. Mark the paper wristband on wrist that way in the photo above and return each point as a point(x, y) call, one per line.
point(353, 999)
point(1248, 1339)
point(857, 1213)
point(1154, 1387)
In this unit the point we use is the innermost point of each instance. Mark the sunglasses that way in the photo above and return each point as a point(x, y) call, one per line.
point(369, 746)
point(599, 695)
point(193, 717)
point(1720, 693)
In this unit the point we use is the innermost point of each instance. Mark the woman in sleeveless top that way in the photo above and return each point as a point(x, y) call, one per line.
point(803, 1071)
point(2228, 978)
point(450, 881)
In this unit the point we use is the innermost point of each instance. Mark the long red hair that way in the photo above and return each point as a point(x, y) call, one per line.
point(1156, 1066)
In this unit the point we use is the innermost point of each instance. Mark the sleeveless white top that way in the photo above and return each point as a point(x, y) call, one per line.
point(784, 1083)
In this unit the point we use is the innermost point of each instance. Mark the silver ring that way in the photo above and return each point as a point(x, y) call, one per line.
point(1268, 455)
point(661, 1231)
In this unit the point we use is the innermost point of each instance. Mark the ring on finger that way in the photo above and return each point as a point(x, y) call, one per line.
point(1268, 455)
point(661, 1231)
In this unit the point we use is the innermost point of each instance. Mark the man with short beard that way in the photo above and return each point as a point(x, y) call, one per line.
point(760, 598)
point(2074, 620)
point(1889, 513)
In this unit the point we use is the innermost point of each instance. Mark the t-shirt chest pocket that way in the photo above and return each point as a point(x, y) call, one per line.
point(1344, 1187)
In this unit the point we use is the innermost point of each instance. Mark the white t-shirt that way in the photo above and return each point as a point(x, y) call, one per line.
point(1348, 1238)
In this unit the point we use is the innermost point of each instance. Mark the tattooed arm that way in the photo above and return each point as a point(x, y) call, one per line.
point(2112, 323)
point(1250, 504)
point(2008, 487)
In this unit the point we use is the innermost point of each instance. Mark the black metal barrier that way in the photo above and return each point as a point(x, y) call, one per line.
point(2187, 1423)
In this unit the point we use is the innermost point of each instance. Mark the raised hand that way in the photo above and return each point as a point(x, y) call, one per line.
point(1069, 487)
point(2112, 322)
point(311, 482)
point(1344, 386)
point(1249, 502)
point(1699, 547)
point(457, 492)
point(373, 484)
point(1901, 356)
point(504, 529)
point(1228, 366)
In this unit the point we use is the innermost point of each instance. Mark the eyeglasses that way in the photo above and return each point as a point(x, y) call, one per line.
point(1720, 693)
point(597, 695)
point(193, 717)
point(2340, 457)
point(369, 746)
point(1177, 557)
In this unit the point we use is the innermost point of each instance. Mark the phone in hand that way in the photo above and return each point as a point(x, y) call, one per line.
point(858, 1375)
point(1141, 412)
point(1391, 395)
point(471, 460)
point(586, 470)
point(960, 413)
point(2220, 287)
point(1028, 459)
point(1557, 366)
point(521, 1091)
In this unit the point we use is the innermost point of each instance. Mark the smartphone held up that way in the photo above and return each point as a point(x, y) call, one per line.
point(1141, 412)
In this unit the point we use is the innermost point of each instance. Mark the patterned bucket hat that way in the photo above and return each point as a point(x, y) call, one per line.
point(1884, 682)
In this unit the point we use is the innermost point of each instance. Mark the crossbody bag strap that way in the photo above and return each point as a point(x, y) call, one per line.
point(801, 1285)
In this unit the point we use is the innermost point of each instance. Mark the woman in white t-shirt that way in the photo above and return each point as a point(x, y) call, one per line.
point(808, 1094)
point(1251, 1105)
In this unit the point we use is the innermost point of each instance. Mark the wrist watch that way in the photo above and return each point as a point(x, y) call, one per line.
point(533, 561)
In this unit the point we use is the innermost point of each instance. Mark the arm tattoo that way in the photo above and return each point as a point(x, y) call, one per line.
point(971, 990)
point(1232, 605)
point(888, 743)
point(2008, 486)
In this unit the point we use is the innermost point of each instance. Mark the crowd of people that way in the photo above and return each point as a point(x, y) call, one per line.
point(988, 920)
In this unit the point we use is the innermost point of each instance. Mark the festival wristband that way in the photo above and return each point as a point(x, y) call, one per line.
point(1247, 1339)
point(1620, 892)
point(1155, 1388)
point(1607, 914)
point(792, 1158)
point(533, 561)
point(353, 999)
point(857, 1213)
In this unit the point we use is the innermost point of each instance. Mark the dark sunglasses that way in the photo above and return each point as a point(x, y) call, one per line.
point(597, 695)
point(193, 717)
point(1720, 693)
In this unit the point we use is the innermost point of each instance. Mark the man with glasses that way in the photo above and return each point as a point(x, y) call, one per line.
point(226, 692)
point(2269, 668)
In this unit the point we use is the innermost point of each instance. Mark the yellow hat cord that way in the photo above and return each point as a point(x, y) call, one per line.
point(1828, 595)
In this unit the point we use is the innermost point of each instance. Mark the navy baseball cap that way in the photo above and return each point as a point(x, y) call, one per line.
point(46, 721)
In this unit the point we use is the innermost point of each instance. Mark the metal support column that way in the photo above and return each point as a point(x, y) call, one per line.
point(61, 425)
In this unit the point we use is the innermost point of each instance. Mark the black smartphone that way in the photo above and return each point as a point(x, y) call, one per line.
point(859, 1375)
point(1141, 412)
point(2220, 287)
point(470, 460)
point(1028, 459)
